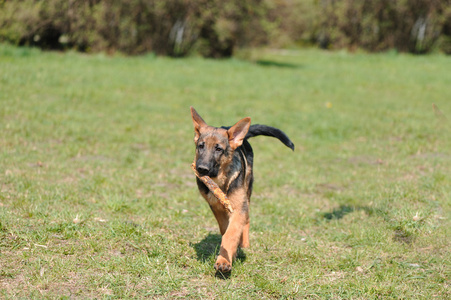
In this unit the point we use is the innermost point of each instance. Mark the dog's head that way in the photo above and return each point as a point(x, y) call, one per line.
point(215, 146)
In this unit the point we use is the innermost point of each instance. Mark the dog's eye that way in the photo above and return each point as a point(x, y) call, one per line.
point(218, 149)
point(200, 146)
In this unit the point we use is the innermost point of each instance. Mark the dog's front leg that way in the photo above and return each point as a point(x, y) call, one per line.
point(230, 241)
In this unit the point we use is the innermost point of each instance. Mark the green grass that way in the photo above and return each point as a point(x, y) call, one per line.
point(98, 199)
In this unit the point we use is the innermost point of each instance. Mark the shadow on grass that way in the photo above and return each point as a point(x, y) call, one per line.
point(339, 213)
point(401, 234)
point(271, 63)
point(208, 249)
point(343, 210)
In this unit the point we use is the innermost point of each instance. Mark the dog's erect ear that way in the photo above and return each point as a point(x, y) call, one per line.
point(238, 132)
point(198, 123)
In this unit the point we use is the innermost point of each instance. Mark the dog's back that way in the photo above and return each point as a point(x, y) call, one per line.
point(245, 155)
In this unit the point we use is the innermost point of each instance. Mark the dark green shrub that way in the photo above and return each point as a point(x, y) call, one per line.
point(172, 27)
point(406, 25)
point(214, 28)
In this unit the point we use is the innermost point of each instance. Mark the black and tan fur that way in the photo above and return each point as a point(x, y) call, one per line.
point(225, 155)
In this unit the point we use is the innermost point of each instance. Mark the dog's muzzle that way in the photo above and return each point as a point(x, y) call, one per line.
point(203, 170)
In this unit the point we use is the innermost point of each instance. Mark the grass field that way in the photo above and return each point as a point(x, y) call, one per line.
point(98, 199)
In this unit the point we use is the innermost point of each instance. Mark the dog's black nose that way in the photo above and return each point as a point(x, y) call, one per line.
point(203, 170)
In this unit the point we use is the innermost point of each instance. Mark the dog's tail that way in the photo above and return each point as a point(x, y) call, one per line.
point(257, 129)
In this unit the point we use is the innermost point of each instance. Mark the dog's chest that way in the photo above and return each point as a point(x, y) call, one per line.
point(214, 202)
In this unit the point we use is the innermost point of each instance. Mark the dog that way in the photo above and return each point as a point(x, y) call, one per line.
point(225, 155)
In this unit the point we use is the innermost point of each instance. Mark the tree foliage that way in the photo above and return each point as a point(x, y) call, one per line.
point(406, 25)
point(214, 28)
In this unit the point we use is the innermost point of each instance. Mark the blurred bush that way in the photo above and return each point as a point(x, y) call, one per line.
point(405, 25)
point(172, 27)
point(214, 28)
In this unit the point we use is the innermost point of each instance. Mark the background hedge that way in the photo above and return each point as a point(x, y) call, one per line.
point(214, 28)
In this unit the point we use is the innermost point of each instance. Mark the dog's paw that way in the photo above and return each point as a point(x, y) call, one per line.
point(223, 265)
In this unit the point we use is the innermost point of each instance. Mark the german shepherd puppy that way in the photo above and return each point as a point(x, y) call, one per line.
point(225, 155)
